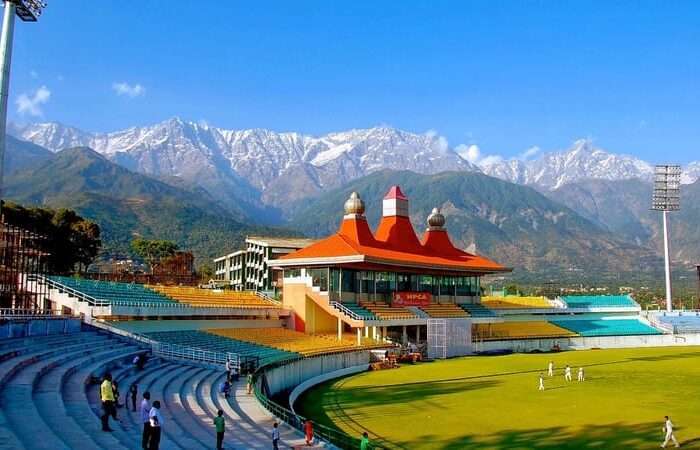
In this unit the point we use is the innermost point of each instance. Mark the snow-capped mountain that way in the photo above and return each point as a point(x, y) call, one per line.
point(277, 164)
point(581, 161)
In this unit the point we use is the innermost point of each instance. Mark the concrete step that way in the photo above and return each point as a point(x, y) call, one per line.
point(7, 344)
point(171, 431)
point(208, 388)
point(49, 402)
point(201, 419)
point(182, 428)
point(20, 410)
point(77, 406)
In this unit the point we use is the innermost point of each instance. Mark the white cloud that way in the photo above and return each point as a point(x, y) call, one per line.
point(30, 103)
point(471, 152)
point(130, 90)
point(529, 153)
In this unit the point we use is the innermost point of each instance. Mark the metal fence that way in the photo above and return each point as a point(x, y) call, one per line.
point(181, 352)
point(12, 313)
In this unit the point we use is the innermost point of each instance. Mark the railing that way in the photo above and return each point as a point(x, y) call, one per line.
point(10, 313)
point(333, 436)
point(655, 322)
point(267, 297)
point(347, 311)
point(92, 301)
point(176, 351)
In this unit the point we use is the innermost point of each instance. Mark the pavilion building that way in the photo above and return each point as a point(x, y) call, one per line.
point(383, 282)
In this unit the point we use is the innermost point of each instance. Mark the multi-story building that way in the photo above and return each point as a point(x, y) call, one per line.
point(249, 269)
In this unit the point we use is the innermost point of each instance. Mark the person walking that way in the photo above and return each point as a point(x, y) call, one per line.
point(309, 432)
point(107, 398)
point(220, 425)
point(581, 376)
point(115, 388)
point(668, 429)
point(541, 388)
point(275, 436)
point(249, 382)
point(567, 373)
point(229, 369)
point(133, 393)
point(550, 369)
point(156, 420)
point(364, 443)
point(145, 419)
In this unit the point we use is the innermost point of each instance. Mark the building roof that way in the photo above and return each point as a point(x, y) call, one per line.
point(395, 244)
point(284, 242)
point(395, 193)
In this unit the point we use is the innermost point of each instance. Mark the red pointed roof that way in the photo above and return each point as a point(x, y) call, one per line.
point(395, 193)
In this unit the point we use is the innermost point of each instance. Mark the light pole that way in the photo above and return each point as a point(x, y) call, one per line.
point(27, 11)
point(667, 197)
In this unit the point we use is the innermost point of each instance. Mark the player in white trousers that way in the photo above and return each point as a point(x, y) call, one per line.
point(550, 369)
point(668, 429)
point(567, 373)
point(581, 376)
point(541, 388)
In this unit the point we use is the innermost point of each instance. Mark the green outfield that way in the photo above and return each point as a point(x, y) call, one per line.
point(493, 402)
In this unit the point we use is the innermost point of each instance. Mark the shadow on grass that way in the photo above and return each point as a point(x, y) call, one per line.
point(610, 436)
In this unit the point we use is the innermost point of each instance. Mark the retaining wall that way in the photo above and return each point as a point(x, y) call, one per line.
point(38, 327)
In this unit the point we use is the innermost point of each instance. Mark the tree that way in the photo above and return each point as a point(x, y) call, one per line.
point(70, 239)
point(153, 250)
point(206, 273)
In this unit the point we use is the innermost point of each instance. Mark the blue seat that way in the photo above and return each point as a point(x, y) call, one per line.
point(686, 323)
point(113, 292)
point(599, 301)
point(477, 310)
point(614, 327)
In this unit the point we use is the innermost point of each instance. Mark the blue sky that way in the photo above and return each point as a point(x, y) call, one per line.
point(506, 76)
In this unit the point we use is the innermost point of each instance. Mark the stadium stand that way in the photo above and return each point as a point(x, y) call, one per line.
point(520, 330)
point(49, 400)
point(112, 292)
point(477, 310)
point(599, 301)
point(612, 327)
point(446, 310)
point(385, 312)
point(294, 341)
point(218, 343)
point(515, 302)
point(209, 297)
point(360, 311)
point(687, 323)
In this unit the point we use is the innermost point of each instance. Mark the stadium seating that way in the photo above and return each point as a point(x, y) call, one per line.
point(687, 323)
point(211, 298)
point(360, 311)
point(446, 311)
point(294, 341)
point(520, 330)
point(599, 301)
point(477, 310)
point(217, 343)
point(49, 401)
point(113, 292)
point(515, 302)
point(385, 312)
point(613, 327)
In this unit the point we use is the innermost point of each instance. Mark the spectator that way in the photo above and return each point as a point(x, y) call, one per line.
point(107, 398)
point(225, 388)
point(275, 436)
point(364, 443)
point(136, 362)
point(220, 425)
point(143, 359)
point(133, 392)
point(156, 420)
point(145, 420)
point(309, 432)
point(229, 369)
point(249, 382)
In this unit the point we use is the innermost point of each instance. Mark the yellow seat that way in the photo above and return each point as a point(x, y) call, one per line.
point(515, 302)
point(294, 341)
point(217, 299)
point(519, 330)
point(444, 310)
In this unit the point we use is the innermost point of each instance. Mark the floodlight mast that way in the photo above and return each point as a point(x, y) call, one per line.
point(27, 11)
point(666, 197)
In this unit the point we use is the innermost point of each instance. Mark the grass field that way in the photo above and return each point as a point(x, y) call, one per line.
point(493, 402)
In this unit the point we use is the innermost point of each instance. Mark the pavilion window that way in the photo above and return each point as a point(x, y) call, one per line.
point(319, 278)
point(463, 286)
point(367, 283)
point(348, 280)
point(426, 283)
point(447, 286)
point(292, 273)
point(404, 282)
point(335, 280)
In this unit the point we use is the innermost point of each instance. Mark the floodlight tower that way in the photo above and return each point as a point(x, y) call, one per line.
point(27, 11)
point(667, 197)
